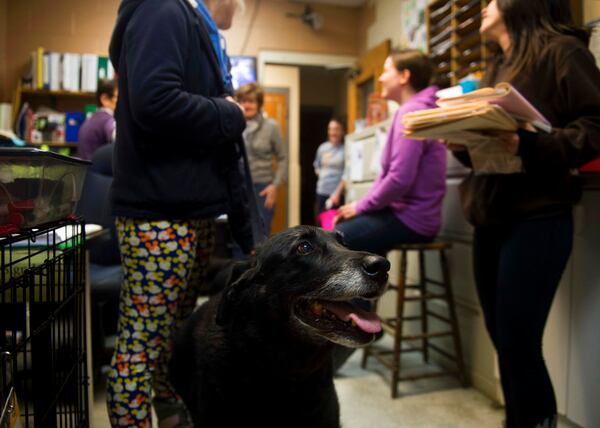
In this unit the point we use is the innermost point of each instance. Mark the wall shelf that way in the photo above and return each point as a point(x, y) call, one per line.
point(453, 39)
point(45, 92)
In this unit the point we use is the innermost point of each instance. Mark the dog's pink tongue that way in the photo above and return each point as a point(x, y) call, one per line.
point(367, 321)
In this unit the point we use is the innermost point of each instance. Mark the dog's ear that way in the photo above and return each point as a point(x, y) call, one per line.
point(240, 278)
point(237, 270)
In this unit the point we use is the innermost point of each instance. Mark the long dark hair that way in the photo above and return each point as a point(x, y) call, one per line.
point(530, 25)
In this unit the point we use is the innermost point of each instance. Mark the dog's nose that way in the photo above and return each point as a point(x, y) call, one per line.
point(374, 265)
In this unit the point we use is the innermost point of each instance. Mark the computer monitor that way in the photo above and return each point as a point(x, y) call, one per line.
point(243, 70)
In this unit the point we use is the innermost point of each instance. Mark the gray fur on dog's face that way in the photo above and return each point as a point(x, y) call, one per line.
point(309, 277)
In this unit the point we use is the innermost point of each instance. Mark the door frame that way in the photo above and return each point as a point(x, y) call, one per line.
point(297, 59)
point(285, 132)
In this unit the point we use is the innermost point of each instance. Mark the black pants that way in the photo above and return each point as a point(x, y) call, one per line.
point(517, 270)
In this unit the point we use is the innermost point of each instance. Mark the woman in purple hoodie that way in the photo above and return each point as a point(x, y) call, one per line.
point(404, 205)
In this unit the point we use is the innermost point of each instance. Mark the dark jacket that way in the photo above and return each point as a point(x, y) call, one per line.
point(178, 140)
point(565, 88)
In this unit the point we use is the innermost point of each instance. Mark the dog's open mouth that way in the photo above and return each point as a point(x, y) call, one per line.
point(339, 321)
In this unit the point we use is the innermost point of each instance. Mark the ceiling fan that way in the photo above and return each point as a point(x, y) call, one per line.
point(311, 18)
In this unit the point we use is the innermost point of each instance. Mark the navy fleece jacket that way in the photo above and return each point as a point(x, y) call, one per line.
point(177, 146)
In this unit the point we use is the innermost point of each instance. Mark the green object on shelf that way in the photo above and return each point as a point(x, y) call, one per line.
point(89, 110)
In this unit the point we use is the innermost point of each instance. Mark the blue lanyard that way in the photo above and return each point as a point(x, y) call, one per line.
point(218, 43)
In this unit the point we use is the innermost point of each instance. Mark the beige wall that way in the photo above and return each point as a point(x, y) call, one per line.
point(381, 21)
point(86, 26)
point(272, 30)
point(591, 10)
point(3, 86)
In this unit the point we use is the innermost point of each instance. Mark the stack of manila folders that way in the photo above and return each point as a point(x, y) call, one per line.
point(468, 119)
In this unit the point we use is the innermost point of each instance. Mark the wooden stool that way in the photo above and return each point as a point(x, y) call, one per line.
point(442, 290)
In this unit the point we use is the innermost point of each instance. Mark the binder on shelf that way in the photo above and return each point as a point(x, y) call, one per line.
point(5, 116)
point(89, 110)
point(21, 122)
point(102, 67)
point(105, 68)
point(55, 63)
point(39, 68)
point(76, 70)
point(65, 73)
point(71, 72)
point(73, 120)
point(46, 70)
point(89, 72)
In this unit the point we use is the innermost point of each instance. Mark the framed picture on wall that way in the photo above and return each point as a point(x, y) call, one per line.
point(243, 70)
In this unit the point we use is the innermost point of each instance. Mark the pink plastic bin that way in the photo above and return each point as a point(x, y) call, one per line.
point(326, 219)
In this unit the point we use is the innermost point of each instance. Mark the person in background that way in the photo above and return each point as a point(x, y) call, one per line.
point(176, 168)
point(523, 222)
point(263, 143)
point(404, 205)
point(329, 167)
point(99, 128)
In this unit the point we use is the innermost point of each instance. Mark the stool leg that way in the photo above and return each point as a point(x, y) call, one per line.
point(454, 320)
point(367, 349)
point(423, 290)
point(398, 330)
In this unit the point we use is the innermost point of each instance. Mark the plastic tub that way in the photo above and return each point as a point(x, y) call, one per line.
point(37, 187)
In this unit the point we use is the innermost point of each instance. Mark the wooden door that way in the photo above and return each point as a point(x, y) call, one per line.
point(371, 67)
point(276, 107)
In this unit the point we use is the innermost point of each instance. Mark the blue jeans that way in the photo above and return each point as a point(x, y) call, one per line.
point(266, 214)
point(378, 231)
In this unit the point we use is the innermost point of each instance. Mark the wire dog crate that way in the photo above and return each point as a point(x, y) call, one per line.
point(44, 376)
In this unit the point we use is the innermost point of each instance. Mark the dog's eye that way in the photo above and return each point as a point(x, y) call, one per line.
point(305, 248)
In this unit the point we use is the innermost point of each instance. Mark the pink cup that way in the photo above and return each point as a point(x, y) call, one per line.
point(326, 219)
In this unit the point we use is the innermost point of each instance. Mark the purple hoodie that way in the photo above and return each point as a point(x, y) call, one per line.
point(95, 132)
point(412, 181)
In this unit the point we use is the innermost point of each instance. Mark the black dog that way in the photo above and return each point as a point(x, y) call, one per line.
point(259, 353)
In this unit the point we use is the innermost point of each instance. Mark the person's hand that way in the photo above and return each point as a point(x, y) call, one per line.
point(334, 200)
point(270, 192)
point(453, 147)
point(510, 140)
point(345, 212)
point(232, 100)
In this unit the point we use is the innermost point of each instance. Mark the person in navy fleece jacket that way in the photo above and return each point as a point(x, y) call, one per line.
point(176, 167)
